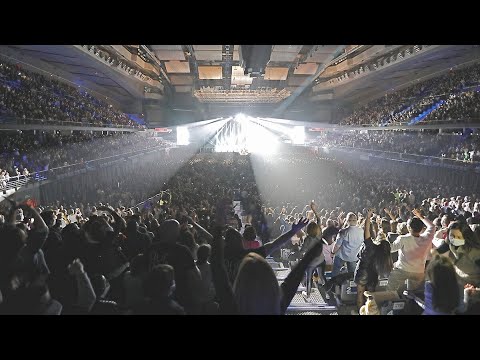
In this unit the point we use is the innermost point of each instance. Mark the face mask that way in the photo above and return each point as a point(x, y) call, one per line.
point(457, 241)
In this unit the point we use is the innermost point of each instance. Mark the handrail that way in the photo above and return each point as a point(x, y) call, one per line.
point(427, 160)
point(466, 121)
point(409, 154)
point(42, 175)
point(152, 197)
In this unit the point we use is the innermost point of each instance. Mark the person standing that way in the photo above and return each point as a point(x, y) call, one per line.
point(413, 250)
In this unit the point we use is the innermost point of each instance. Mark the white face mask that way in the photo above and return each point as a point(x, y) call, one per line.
point(457, 241)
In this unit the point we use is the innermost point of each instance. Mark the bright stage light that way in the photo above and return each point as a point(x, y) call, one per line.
point(183, 136)
point(245, 135)
point(241, 117)
point(298, 135)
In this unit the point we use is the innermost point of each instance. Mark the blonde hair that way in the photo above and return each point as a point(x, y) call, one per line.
point(256, 288)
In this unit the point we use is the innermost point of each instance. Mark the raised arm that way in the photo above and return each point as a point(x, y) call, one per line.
point(200, 229)
point(86, 295)
point(282, 239)
point(340, 218)
point(223, 288)
point(430, 231)
point(314, 209)
point(120, 224)
point(389, 213)
point(366, 230)
point(39, 235)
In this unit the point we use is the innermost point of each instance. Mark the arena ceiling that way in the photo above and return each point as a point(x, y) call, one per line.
point(235, 75)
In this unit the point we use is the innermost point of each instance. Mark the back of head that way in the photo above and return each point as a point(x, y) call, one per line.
point(169, 231)
point(386, 228)
point(139, 265)
point(12, 241)
point(159, 282)
point(249, 234)
point(203, 253)
point(441, 274)
point(132, 226)
point(98, 230)
point(233, 239)
point(416, 225)
point(256, 288)
point(313, 229)
point(383, 259)
point(49, 217)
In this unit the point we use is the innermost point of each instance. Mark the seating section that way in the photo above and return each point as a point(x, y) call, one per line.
point(35, 98)
point(450, 97)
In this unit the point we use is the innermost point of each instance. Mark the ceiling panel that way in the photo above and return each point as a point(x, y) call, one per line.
point(297, 80)
point(181, 79)
point(208, 55)
point(170, 54)
point(210, 72)
point(283, 56)
point(207, 47)
point(306, 69)
point(321, 53)
point(183, 89)
point(276, 73)
point(182, 67)
point(166, 47)
point(288, 48)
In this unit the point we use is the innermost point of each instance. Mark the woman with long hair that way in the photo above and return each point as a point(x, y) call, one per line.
point(255, 290)
point(441, 287)
point(375, 260)
point(313, 236)
point(463, 247)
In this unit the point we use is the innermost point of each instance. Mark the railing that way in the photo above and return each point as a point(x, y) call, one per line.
point(62, 171)
point(464, 122)
point(14, 182)
point(419, 159)
point(31, 121)
point(154, 197)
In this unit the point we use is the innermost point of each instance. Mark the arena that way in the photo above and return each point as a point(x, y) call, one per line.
point(240, 179)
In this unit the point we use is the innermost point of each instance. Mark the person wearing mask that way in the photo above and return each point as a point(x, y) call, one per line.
point(463, 247)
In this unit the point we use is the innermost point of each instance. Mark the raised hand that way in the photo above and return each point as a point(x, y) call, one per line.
point(313, 206)
point(417, 213)
point(302, 222)
point(76, 267)
point(370, 212)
